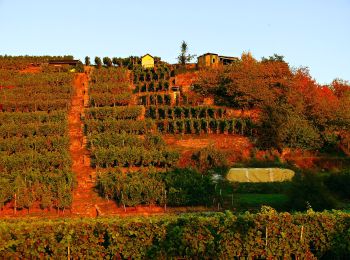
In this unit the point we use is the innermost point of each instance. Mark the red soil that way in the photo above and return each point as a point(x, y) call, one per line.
point(235, 146)
point(186, 79)
point(31, 69)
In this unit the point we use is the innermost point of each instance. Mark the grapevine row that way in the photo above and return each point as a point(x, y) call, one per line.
point(34, 117)
point(265, 235)
point(127, 112)
point(33, 129)
point(119, 126)
point(36, 143)
point(46, 161)
point(198, 126)
point(132, 156)
point(111, 138)
point(182, 112)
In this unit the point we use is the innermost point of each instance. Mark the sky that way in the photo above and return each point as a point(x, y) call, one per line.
point(308, 33)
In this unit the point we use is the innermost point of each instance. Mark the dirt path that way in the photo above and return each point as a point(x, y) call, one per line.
point(85, 200)
point(80, 164)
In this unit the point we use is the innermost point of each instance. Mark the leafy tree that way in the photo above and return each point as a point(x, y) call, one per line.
point(79, 67)
point(87, 61)
point(107, 62)
point(281, 127)
point(98, 62)
point(115, 61)
point(184, 57)
point(275, 57)
point(245, 84)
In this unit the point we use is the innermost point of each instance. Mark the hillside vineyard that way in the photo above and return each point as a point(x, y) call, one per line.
point(134, 137)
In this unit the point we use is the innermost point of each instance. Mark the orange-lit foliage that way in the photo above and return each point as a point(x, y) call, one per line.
point(286, 98)
point(247, 83)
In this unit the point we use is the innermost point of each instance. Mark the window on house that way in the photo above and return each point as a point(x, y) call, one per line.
point(213, 60)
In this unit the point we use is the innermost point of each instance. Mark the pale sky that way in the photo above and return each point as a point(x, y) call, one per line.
point(311, 33)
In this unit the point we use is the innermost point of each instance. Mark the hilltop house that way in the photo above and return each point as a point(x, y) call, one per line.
point(63, 62)
point(214, 60)
point(147, 61)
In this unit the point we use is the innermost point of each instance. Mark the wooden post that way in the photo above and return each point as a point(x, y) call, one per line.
point(68, 251)
point(301, 233)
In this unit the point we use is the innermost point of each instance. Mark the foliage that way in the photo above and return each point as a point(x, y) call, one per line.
point(194, 236)
point(109, 87)
point(209, 157)
point(35, 92)
point(199, 126)
point(187, 187)
point(119, 126)
point(184, 58)
point(98, 62)
point(181, 112)
point(35, 166)
point(281, 127)
point(308, 190)
point(87, 61)
point(132, 156)
point(22, 62)
point(131, 189)
point(107, 62)
point(275, 57)
point(102, 113)
point(296, 112)
point(79, 67)
point(338, 183)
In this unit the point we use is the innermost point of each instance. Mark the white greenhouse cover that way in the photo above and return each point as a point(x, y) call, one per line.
point(259, 175)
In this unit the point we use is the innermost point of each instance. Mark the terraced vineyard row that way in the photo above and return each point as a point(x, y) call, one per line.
point(124, 135)
point(35, 165)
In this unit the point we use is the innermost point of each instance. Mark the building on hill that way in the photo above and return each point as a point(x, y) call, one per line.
point(63, 62)
point(208, 60)
point(147, 61)
point(214, 60)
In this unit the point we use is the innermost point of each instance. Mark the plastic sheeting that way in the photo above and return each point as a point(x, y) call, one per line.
point(259, 175)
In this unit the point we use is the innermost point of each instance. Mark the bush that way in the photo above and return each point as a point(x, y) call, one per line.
point(187, 187)
point(131, 189)
point(339, 184)
point(308, 190)
point(209, 157)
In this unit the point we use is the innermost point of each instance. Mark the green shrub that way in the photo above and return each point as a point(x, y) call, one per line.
point(187, 187)
point(209, 157)
point(308, 190)
point(339, 184)
point(131, 189)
